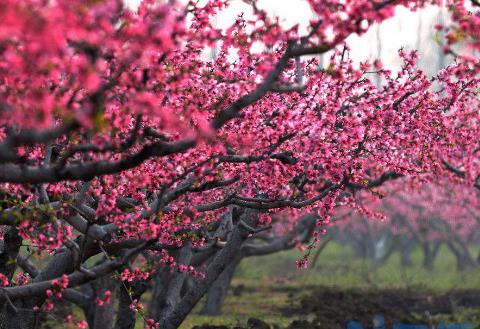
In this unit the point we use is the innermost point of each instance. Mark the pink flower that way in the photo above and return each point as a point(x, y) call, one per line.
point(82, 324)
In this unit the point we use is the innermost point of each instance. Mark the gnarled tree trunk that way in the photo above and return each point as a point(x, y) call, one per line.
point(218, 291)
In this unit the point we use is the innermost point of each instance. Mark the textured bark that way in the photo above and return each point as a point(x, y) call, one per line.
point(9, 248)
point(126, 317)
point(24, 317)
point(175, 285)
point(159, 292)
point(302, 233)
point(100, 317)
point(19, 318)
point(218, 291)
point(239, 234)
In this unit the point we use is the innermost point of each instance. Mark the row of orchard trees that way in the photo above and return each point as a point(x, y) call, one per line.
point(428, 218)
point(130, 163)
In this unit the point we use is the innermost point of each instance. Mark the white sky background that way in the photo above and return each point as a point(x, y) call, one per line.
point(411, 30)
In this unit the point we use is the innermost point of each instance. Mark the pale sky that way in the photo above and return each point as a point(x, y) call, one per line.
point(411, 30)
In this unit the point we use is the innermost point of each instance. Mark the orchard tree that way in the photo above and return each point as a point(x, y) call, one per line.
point(426, 215)
point(438, 214)
point(128, 161)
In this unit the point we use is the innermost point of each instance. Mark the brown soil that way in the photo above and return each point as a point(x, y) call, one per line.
point(332, 308)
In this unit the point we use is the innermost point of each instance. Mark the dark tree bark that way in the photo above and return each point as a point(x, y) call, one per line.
point(159, 291)
point(173, 292)
point(302, 233)
point(218, 291)
point(430, 252)
point(244, 222)
point(389, 250)
point(462, 256)
point(9, 249)
point(100, 317)
point(126, 317)
point(24, 317)
point(406, 248)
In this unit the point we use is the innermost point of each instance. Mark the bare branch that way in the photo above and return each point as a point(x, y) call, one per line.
point(15, 173)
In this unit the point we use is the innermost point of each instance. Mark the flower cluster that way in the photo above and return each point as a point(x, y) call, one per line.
point(106, 300)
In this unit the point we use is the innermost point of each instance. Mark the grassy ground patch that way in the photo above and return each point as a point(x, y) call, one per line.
point(272, 284)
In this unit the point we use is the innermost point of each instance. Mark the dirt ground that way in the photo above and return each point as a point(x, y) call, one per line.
point(332, 308)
